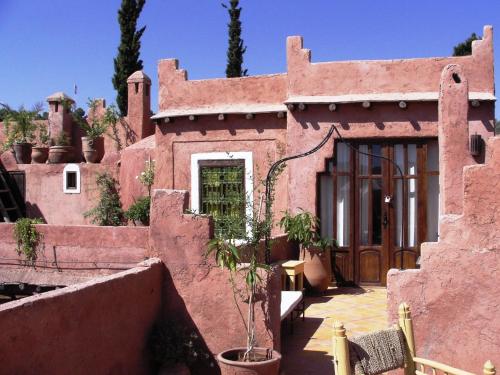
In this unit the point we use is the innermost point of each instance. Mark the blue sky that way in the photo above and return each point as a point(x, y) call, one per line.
point(49, 46)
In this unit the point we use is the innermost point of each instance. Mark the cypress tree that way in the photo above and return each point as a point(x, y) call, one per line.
point(127, 60)
point(465, 48)
point(235, 49)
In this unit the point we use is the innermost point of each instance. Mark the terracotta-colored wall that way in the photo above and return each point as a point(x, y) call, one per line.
point(199, 291)
point(265, 136)
point(455, 294)
point(82, 250)
point(307, 129)
point(133, 160)
point(45, 197)
point(385, 76)
point(98, 327)
point(176, 91)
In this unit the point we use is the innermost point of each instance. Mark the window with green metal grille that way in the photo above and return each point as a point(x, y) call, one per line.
point(222, 195)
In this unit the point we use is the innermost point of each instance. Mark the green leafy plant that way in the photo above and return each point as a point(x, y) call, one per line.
point(239, 252)
point(465, 48)
point(109, 209)
point(111, 119)
point(20, 125)
point(147, 176)
point(139, 211)
point(43, 136)
point(303, 228)
point(93, 127)
point(127, 60)
point(61, 140)
point(27, 238)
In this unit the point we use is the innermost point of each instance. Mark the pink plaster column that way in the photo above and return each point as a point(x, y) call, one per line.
point(453, 133)
point(139, 105)
point(60, 118)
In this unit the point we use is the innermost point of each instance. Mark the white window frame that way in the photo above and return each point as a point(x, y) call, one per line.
point(71, 168)
point(195, 178)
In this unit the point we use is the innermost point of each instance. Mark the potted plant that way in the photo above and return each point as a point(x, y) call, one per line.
point(243, 263)
point(314, 250)
point(40, 152)
point(19, 129)
point(61, 151)
point(93, 142)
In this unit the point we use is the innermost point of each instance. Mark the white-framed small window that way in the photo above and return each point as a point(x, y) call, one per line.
point(199, 160)
point(71, 179)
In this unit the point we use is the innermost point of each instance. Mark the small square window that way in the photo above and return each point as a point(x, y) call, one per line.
point(71, 181)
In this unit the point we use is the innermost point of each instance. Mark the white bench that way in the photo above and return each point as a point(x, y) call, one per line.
point(292, 301)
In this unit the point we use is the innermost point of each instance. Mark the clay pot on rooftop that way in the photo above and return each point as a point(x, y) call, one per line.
point(39, 155)
point(230, 365)
point(93, 149)
point(60, 154)
point(317, 268)
point(22, 152)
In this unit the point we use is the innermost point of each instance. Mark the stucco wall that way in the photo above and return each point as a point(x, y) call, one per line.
point(79, 250)
point(199, 291)
point(133, 160)
point(176, 91)
point(265, 137)
point(97, 327)
point(384, 76)
point(454, 296)
point(45, 197)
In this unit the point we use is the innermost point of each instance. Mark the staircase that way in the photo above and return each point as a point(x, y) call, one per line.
point(9, 205)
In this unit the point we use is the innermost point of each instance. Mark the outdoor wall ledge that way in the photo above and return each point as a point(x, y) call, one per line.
point(222, 109)
point(431, 96)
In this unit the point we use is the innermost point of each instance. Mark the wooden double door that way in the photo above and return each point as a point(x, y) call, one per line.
point(379, 208)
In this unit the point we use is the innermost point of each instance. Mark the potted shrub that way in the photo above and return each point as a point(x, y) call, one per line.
point(314, 250)
point(243, 263)
point(93, 142)
point(138, 213)
point(40, 152)
point(61, 151)
point(19, 129)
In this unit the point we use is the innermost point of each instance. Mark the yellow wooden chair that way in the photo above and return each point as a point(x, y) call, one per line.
point(416, 365)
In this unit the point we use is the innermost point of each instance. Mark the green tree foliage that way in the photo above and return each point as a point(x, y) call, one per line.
point(236, 49)
point(127, 60)
point(465, 48)
point(109, 209)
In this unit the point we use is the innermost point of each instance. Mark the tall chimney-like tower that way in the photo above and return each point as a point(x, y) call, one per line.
point(60, 117)
point(139, 105)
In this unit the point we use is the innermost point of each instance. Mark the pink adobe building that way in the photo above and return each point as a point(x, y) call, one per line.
point(387, 108)
point(440, 215)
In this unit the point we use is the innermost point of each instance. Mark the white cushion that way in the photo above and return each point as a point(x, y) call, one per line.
point(289, 301)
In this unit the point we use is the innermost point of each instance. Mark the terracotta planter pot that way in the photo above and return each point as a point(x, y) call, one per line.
point(39, 155)
point(317, 268)
point(22, 153)
point(229, 364)
point(60, 154)
point(93, 149)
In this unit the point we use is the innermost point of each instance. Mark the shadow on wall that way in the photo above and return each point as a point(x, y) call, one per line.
point(33, 211)
point(175, 337)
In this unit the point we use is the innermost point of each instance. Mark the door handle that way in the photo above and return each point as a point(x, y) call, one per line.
point(385, 221)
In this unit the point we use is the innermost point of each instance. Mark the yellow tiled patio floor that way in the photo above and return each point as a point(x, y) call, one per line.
point(309, 349)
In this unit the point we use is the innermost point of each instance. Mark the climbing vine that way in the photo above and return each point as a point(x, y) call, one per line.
point(27, 238)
